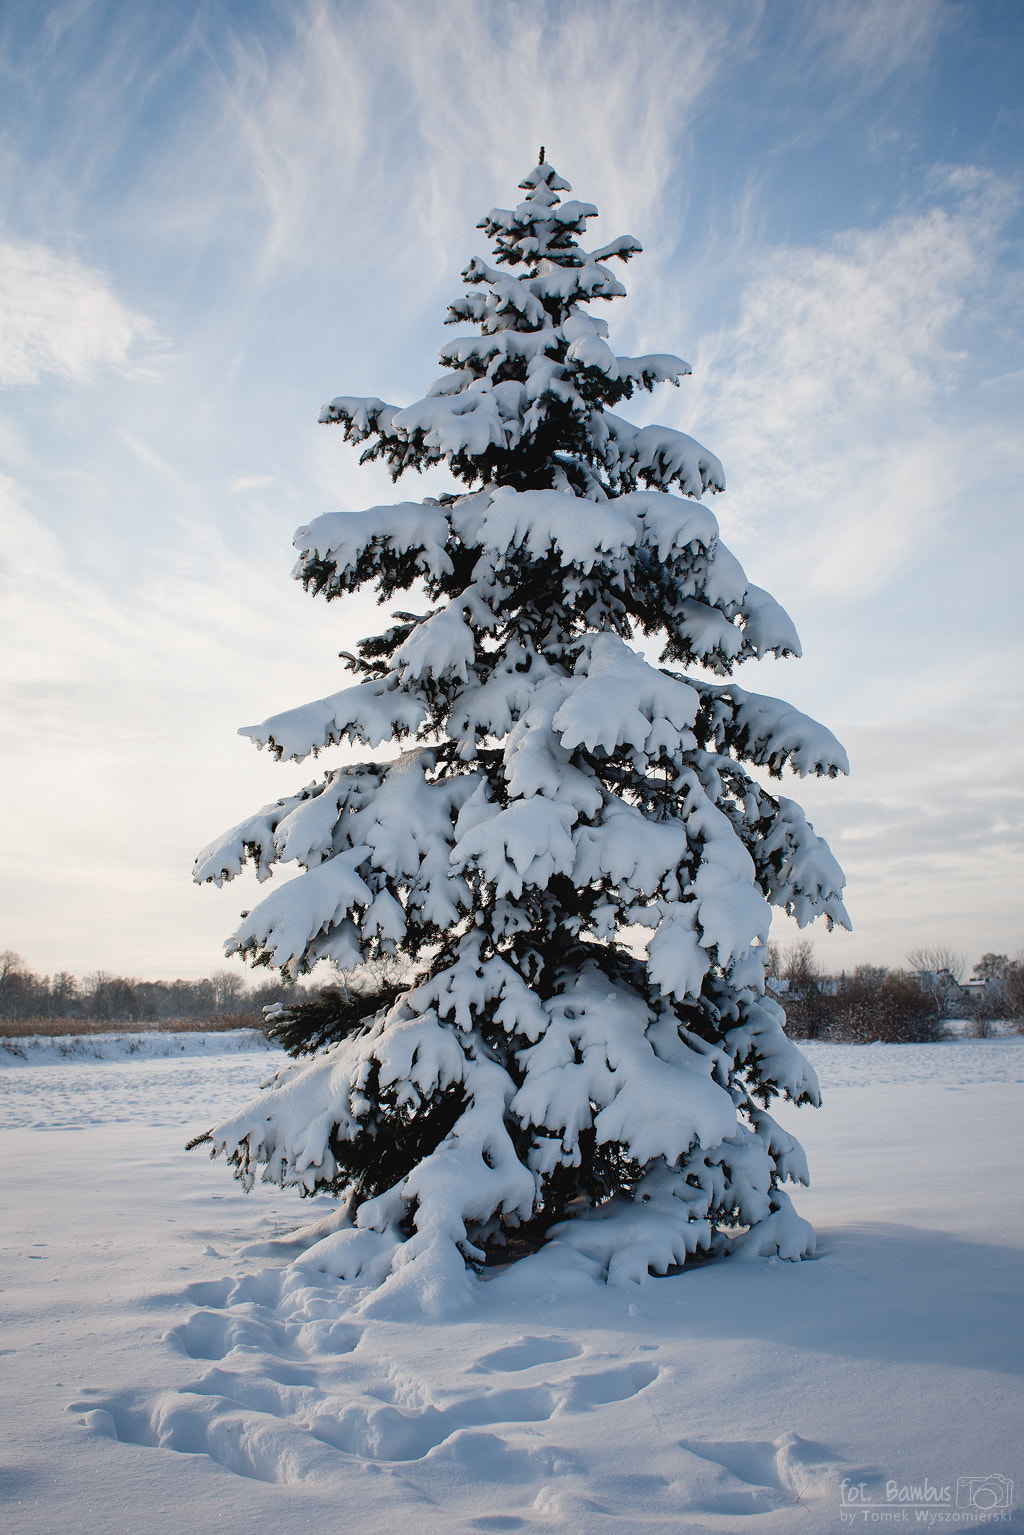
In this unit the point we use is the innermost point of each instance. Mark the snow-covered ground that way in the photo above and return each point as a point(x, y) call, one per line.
point(167, 1367)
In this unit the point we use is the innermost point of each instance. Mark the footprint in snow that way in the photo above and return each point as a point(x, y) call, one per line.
point(754, 1476)
point(526, 1353)
point(215, 1334)
point(604, 1386)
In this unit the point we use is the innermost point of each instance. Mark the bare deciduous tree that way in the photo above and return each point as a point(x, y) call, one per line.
point(937, 958)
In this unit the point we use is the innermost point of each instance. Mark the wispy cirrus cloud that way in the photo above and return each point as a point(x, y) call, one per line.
point(120, 713)
point(878, 36)
point(870, 483)
point(830, 397)
point(930, 845)
point(60, 317)
point(381, 129)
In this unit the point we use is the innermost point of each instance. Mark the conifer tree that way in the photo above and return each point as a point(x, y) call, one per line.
point(568, 847)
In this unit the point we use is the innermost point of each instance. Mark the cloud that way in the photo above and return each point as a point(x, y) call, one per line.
point(929, 834)
point(60, 317)
point(830, 398)
point(873, 490)
point(120, 713)
point(879, 36)
point(246, 482)
point(378, 130)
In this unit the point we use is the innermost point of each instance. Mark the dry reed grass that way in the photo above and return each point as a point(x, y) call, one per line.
point(57, 1028)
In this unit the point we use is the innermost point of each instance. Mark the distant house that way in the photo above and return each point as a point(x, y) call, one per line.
point(782, 986)
point(941, 985)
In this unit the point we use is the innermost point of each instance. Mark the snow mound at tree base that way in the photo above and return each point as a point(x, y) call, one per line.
point(622, 1243)
point(603, 1059)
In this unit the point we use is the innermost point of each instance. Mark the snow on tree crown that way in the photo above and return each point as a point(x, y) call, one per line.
point(526, 401)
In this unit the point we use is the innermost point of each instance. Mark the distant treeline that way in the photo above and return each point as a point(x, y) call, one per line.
point(914, 1004)
point(101, 998)
point(870, 1003)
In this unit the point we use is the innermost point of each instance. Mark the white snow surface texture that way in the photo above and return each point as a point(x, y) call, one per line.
point(173, 1357)
point(561, 806)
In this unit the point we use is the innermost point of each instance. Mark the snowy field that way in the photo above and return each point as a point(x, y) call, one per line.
point(168, 1366)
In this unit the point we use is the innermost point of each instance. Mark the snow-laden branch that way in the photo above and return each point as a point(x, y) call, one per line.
point(768, 731)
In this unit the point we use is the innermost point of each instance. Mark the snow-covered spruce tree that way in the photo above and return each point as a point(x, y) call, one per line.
point(569, 847)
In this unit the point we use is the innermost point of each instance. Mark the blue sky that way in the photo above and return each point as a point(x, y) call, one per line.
point(215, 217)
